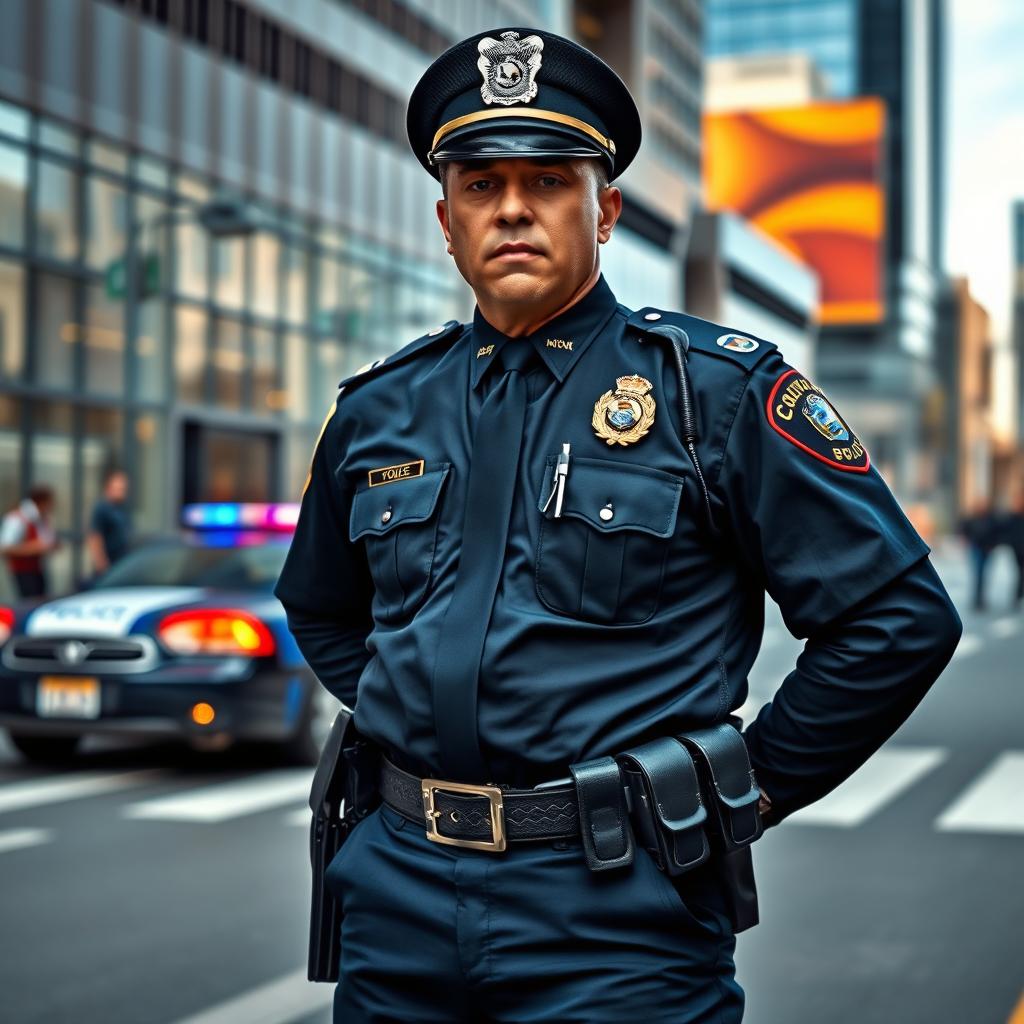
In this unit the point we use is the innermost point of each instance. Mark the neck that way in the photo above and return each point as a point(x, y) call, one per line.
point(517, 322)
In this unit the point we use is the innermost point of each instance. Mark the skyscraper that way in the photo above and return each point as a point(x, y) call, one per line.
point(894, 49)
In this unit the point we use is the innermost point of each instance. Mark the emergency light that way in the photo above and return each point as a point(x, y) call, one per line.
point(227, 515)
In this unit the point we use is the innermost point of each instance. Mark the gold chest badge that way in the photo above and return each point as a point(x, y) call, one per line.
point(624, 416)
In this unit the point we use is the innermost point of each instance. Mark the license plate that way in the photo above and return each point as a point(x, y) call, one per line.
point(68, 697)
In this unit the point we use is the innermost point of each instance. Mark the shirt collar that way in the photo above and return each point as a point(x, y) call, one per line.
point(559, 342)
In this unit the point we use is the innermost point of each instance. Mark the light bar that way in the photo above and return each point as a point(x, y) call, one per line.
point(228, 515)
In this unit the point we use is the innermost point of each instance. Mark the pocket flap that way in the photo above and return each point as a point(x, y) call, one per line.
point(638, 497)
point(377, 510)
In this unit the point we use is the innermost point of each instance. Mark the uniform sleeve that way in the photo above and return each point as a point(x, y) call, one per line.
point(834, 550)
point(807, 512)
point(325, 585)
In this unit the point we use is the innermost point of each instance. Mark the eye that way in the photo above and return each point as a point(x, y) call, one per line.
point(480, 185)
point(549, 181)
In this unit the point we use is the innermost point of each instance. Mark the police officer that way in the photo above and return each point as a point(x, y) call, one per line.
point(544, 537)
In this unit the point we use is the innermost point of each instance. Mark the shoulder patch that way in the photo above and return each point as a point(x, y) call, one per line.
point(708, 337)
point(447, 332)
point(800, 412)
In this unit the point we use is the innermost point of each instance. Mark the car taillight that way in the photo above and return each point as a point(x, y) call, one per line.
point(215, 631)
point(6, 624)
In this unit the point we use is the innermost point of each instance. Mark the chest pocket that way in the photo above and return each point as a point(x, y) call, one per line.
point(604, 559)
point(399, 524)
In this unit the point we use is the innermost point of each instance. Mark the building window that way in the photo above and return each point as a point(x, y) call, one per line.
point(10, 452)
point(106, 222)
point(103, 335)
point(12, 320)
point(228, 360)
point(189, 353)
point(56, 212)
point(13, 186)
point(57, 332)
point(151, 352)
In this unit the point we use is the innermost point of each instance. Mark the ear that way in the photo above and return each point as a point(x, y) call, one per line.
point(609, 200)
point(442, 215)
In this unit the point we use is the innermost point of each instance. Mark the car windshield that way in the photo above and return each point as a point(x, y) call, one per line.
point(179, 564)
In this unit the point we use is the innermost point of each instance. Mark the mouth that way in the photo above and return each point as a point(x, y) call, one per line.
point(515, 252)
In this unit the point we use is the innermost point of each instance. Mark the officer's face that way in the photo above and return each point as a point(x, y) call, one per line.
point(524, 233)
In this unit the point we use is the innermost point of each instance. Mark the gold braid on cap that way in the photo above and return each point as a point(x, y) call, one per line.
point(538, 115)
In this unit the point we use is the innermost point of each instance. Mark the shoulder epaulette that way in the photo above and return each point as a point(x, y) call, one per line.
point(448, 332)
point(705, 336)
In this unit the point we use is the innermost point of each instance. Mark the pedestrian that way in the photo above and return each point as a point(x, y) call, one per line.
point(1014, 536)
point(535, 541)
point(109, 534)
point(981, 532)
point(27, 536)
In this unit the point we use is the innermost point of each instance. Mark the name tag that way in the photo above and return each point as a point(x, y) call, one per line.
point(389, 474)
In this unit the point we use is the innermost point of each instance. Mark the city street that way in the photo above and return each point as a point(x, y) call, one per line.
point(149, 886)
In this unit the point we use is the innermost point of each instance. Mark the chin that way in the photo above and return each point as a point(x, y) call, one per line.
point(520, 286)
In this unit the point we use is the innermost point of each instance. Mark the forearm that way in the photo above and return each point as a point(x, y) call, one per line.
point(855, 683)
point(335, 651)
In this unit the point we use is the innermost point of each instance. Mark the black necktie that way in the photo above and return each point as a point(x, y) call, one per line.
point(492, 481)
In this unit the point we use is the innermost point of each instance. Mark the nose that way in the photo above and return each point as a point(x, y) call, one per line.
point(513, 207)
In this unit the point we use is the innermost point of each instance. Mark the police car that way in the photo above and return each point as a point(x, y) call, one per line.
point(180, 638)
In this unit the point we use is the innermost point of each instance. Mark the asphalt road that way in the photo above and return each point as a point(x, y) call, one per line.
point(149, 886)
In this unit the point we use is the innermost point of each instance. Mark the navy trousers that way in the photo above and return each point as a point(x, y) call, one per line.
point(439, 933)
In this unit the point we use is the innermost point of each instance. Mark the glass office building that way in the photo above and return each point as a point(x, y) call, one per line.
point(885, 375)
point(133, 335)
point(824, 30)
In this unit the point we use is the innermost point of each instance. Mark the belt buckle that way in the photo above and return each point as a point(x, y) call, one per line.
point(494, 845)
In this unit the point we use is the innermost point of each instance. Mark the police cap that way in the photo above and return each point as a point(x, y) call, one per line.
point(521, 92)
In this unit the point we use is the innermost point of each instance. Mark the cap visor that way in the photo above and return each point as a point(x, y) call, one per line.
point(492, 142)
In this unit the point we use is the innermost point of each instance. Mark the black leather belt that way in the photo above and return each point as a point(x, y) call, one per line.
point(480, 817)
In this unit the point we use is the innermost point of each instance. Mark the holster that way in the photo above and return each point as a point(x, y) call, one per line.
point(668, 814)
point(345, 789)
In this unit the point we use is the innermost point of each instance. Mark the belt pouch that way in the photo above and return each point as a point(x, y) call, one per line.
point(604, 816)
point(729, 785)
point(666, 804)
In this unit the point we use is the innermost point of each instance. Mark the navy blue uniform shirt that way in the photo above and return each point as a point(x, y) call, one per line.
point(639, 611)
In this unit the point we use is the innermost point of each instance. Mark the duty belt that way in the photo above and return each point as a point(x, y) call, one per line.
point(481, 817)
point(687, 796)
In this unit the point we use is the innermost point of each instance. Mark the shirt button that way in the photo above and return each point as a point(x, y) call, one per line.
point(652, 316)
point(607, 513)
point(385, 516)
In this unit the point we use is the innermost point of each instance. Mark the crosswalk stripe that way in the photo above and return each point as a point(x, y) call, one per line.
point(277, 1002)
point(20, 838)
point(227, 800)
point(883, 778)
point(1003, 629)
point(969, 644)
point(994, 802)
point(21, 795)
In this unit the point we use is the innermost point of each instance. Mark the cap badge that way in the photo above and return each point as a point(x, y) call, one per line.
point(625, 415)
point(509, 66)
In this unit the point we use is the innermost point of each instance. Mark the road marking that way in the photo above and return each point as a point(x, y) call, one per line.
point(883, 778)
point(303, 816)
point(1003, 629)
point(21, 795)
point(20, 838)
point(277, 1002)
point(227, 800)
point(994, 802)
point(969, 644)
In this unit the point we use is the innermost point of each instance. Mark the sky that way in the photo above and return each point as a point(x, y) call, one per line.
point(986, 147)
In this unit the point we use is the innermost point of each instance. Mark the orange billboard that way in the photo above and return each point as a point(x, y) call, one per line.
point(811, 178)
